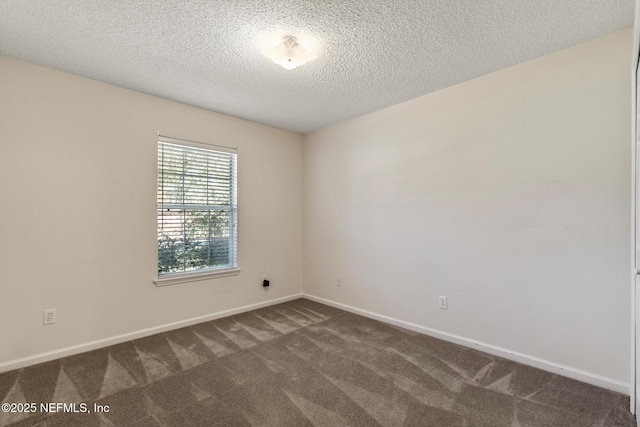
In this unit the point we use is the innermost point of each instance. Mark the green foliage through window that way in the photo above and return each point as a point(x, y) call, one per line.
point(196, 208)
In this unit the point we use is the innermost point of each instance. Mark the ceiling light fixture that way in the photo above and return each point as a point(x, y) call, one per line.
point(289, 53)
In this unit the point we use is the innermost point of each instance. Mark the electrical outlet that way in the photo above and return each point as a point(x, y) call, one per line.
point(443, 303)
point(50, 316)
point(339, 281)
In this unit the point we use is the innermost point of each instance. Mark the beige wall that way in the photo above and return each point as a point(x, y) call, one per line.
point(510, 194)
point(78, 211)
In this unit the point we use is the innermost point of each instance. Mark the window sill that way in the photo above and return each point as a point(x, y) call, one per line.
point(193, 277)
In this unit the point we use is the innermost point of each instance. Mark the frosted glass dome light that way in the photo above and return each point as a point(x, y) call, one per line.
point(289, 53)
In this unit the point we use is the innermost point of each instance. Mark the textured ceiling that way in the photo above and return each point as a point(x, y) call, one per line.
point(371, 54)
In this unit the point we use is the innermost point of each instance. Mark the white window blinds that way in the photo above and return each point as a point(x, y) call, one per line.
point(196, 207)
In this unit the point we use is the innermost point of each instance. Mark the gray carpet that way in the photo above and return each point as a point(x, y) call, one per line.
point(303, 364)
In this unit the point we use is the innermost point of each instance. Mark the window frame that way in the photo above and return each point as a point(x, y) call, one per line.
point(170, 278)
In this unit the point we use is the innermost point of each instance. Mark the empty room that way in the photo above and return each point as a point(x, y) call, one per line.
point(318, 213)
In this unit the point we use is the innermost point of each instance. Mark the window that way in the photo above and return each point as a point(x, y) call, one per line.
point(196, 211)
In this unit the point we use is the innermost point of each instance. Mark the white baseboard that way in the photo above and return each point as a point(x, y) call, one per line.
point(567, 371)
point(577, 374)
point(81, 348)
